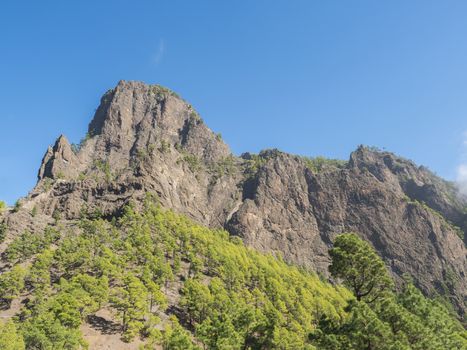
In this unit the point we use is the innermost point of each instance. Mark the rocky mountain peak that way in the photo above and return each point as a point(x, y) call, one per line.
point(134, 116)
point(131, 119)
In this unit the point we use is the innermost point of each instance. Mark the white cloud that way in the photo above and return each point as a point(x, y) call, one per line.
point(159, 54)
point(462, 178)
point(462, 169)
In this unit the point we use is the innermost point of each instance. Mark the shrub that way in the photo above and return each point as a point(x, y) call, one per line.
point(192, 161)
point(165, 146)
point(104, 167)
point(318, 164)
point(3, 229)
point(17, 206)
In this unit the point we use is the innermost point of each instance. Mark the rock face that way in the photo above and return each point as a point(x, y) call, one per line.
point(145, 139)
point(299, 212)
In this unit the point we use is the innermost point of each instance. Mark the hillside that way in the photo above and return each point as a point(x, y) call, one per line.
point(155, 279)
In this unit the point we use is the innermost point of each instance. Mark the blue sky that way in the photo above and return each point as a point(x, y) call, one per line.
point(307, 77)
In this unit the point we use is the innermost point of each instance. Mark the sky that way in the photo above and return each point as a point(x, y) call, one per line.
point(307, 77)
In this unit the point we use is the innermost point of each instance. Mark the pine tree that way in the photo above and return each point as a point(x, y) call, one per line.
point(10, 338)
point(131, 300)
point(12, 283)
point(360, 268)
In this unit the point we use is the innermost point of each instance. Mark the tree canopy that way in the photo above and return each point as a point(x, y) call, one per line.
point(360, 268)
point(379, 318)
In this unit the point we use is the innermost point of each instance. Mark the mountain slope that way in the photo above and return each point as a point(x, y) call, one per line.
point(145, 138)
point(157, 280)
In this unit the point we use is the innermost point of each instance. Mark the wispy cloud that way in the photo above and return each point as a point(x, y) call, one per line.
point(159, 54)
point(462, 168)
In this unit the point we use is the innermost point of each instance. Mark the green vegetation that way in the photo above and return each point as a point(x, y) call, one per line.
point(60, 175)
point(379, 318)
point(17, 206)
point(127, 266)
point(162, 91)
point(318, 164)
point(444, 222)
point(3, 206)
point(253, 163)
point(11, 283)
point(177, 338)
point(10, 339)
point(193, 162)
point(26, 245)
point(374, 149)
point(225, 166)
point(47, 183)
point(195, 117)
point(231, 297)
point(104, 167)
point(151, 148)
point(82, 176)
point(165, 146)
point(358, 265)
point(91, 213)
point(77, 147)
point(141, 154)
point(3, 229)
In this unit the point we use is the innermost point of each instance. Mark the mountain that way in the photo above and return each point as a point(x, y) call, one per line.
point(146, 139)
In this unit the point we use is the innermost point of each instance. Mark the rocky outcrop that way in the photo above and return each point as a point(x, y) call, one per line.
point(145, 139)
point(59, 161)
point(418, 183)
